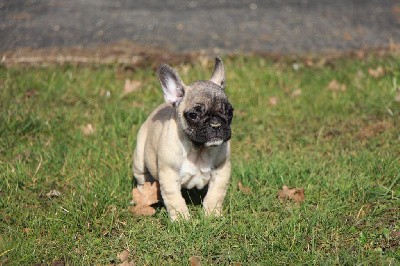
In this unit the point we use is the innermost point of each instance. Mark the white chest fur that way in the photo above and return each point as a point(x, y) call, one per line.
point(196, 169)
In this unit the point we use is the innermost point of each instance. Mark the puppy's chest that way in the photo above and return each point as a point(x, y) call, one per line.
point(196, 170)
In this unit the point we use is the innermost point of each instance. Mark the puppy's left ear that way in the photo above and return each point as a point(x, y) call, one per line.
point(218, 75)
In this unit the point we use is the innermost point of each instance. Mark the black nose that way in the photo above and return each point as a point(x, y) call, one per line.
point(215, 123)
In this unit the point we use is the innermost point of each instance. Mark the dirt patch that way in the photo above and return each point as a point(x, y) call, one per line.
point(372, 130)
point(360, 129)
point(133, 55)
point(125, 53)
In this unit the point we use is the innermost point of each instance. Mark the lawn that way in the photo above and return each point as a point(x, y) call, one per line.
point(330, 126)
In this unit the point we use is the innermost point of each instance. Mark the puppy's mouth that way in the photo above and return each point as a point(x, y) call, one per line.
point(214, 142)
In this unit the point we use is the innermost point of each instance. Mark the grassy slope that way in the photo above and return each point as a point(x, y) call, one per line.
point(342, 147)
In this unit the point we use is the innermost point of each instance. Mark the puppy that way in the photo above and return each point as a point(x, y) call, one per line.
point(185, 141)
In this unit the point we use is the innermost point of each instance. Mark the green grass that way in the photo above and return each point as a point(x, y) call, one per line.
point(343, 148)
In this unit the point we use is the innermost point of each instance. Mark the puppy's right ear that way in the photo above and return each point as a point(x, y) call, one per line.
point(172, 85)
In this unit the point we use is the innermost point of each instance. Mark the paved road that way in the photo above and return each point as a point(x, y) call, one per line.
point(179, 25)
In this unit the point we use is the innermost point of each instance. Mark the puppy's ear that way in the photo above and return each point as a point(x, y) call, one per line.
point(171, 83)
point(218, 75)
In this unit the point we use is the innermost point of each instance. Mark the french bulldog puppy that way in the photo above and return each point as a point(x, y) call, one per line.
point(185, 142)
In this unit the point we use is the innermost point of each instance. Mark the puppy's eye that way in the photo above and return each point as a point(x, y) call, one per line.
point(192, 115)
point(229, 112)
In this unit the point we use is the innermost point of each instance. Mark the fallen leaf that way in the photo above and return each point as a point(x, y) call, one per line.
point(124, 255)
point(296, 93)
point(26, 230)
point(273, 100)
point(334, 85)
point(376, 73)
point(195, 261)
point(149, 194)
point(295, 194)
point(53, 193)
point(142, 210)
point(243, 189)
point(88, 130)
point(309, 62)
point(131, 86)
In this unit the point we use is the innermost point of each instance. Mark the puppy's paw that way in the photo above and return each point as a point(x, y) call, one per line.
point(179, 215)
point(217, 212)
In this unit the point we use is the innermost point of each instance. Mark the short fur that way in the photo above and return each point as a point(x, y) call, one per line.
point(185, 141)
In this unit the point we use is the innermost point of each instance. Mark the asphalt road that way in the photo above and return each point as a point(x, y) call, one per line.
point(179, 25)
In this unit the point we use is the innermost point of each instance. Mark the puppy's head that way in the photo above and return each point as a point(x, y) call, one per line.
point(202, 108)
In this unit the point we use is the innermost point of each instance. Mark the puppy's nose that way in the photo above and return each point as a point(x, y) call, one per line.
point(215, 123)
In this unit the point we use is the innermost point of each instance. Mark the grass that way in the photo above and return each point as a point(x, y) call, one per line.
point(342, 147)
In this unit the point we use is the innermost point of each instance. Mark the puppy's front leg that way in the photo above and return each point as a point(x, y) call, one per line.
point(217, 188)
point(171, 193)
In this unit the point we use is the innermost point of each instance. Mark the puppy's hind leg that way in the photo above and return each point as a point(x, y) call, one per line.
point(141, 178)
point(140, 171)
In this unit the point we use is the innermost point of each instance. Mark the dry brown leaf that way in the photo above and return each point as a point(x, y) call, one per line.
point(142, 210)
point(131, 86)
point(195, 261)
point(295, 194)
point(26, 230)
point(273, 100)
point(148, 195)
point(334, 85)
point(243, 189)
point(377, 72)
point(124, 255)
point(88, 130)
point(309, 62)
